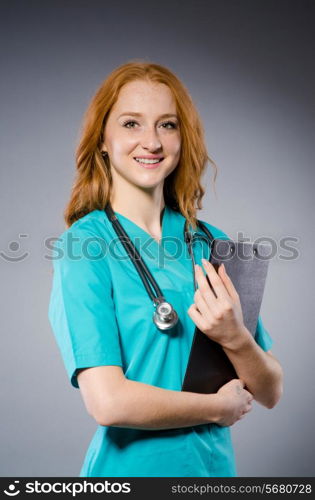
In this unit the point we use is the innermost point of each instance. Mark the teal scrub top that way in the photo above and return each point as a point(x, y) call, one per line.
point(101, 314)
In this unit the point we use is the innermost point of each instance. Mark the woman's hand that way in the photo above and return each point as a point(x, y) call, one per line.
point(235, 402)
point(217, 309)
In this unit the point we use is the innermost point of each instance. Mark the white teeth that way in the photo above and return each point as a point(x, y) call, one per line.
point(147, 160)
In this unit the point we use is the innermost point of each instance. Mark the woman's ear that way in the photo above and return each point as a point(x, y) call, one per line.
point(103, 148)
point(104, 153)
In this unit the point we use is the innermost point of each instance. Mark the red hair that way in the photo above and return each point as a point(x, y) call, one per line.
point(182, 188)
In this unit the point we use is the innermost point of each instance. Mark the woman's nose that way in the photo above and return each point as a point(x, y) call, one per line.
point(150, 139)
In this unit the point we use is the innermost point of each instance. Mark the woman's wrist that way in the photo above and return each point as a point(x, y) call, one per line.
point(242, 339)
point(215, 407)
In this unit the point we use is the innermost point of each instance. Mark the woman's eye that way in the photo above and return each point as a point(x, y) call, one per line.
point(167, 125)
point(127, 123)
point(173, 125)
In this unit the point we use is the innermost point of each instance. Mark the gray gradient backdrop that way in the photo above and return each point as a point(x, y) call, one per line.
point(249, 68)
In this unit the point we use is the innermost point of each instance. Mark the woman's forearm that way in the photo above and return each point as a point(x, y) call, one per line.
point(260, 371)
point(142, 406)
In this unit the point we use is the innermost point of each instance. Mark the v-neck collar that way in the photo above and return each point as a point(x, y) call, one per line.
point(132, 229)
point(172, 226)
point(171, 254)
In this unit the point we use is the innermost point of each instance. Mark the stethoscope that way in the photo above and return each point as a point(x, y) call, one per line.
point(164, 316)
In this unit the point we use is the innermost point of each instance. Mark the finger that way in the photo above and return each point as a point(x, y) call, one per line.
point(227, 281)
point(238, 382)
point(245, 411)
point(240, 385)
point(204, 287)
point(197, 317)
point(206, 291)
point(215, 280)
point(250, 397)
point(202, 305)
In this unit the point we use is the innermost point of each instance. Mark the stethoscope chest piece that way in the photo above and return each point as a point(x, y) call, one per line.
point(165, 317)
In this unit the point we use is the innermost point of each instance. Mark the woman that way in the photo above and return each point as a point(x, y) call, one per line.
point(142, 153)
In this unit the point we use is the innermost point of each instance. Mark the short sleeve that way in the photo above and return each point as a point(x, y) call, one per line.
point(81, 309)
point(262, 336)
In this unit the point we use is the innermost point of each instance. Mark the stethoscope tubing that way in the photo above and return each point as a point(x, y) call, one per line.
point(189, 239)
point(138, 262)
point(141, 265)
point(165, 317)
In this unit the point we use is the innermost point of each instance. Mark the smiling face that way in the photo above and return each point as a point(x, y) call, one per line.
point(142, 128)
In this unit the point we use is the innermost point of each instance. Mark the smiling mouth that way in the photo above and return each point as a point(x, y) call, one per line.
point(148, 163)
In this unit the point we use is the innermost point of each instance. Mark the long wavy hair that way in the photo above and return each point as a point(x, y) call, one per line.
point(182, 188)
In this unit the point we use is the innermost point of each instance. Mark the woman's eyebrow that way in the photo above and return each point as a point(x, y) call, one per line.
point(164, 115)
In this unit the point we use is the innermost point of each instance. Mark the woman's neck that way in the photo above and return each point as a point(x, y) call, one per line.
point(144, 210)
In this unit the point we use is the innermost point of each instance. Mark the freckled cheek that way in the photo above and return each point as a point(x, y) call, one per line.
point(172, 146)
point(176, 149)
point(120, 148)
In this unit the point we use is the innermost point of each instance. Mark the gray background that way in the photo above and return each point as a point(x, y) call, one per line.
point(249, 68)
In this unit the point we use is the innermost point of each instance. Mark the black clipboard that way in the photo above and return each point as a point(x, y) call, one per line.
point(246, 263)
